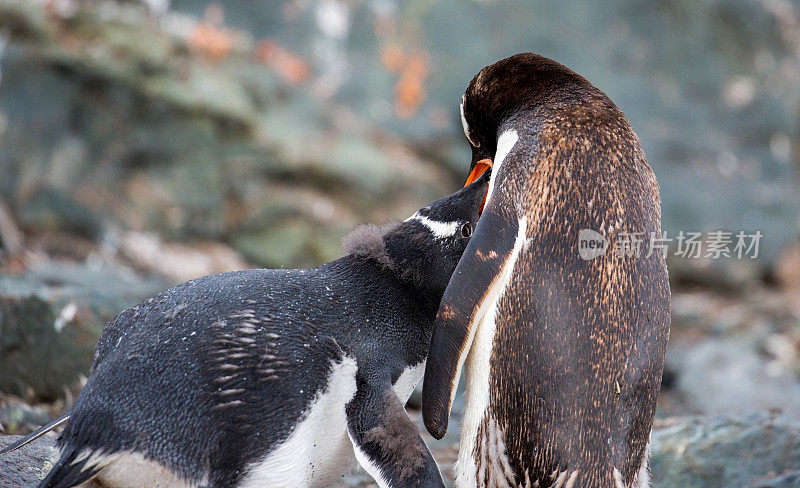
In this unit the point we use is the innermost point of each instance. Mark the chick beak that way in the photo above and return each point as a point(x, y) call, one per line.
point(480, 168)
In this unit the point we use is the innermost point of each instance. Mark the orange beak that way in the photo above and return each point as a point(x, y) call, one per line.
point(480, 168)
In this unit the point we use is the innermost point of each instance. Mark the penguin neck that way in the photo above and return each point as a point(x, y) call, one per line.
point(395, 256)
point(414, 270)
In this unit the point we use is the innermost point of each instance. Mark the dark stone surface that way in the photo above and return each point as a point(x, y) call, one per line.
point(35, 353)
point(28, 465)
point(50, 319)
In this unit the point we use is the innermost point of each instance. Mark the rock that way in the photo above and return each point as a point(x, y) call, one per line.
point(10, 235)
point(731, 375)
point(39, 351)
point(710, 87)
point(28, 465)
point(179, 262)
point(18, 417)
point(51, 209)
point(303, 243)
point(51, 317)
point(789, 480)
point(756, 450)
point(121, 116)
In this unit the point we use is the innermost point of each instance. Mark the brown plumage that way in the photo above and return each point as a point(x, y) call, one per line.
point(576, 347)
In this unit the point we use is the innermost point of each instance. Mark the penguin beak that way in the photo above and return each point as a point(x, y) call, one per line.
point(480, 168)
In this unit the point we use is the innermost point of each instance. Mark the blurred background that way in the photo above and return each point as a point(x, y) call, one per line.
point(148, 142)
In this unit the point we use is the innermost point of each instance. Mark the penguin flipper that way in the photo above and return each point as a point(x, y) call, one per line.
point(386, 441)
point(462, 307)
point(35, 434)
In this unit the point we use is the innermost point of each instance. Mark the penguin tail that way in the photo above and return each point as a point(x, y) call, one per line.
point(35, 434)
point(70, 470)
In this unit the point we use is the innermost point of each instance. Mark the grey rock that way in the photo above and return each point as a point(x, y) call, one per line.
point(710, 87)
point(50, 319)
point(28, 465)
point(113, 120)
point(10, 235)
point(730, 375)
point(756, 450)
point(51, 209)
point(789, 480)
point(35, 353)
point(300, 242)
point(20, 418)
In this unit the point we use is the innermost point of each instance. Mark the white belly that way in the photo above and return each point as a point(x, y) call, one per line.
point(129, 469)
point(407, 381)
point(318, 450)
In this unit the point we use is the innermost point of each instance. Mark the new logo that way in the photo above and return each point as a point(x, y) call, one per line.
point(591, 244)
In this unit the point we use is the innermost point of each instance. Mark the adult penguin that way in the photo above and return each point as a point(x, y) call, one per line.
point(564, 345)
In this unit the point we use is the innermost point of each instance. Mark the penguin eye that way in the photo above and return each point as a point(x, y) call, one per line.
point(466, 230)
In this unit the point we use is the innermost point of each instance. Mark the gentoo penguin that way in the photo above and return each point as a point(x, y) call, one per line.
point(563, 354)
point(274, 378)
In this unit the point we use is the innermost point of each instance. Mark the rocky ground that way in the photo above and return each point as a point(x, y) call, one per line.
point(756, 450)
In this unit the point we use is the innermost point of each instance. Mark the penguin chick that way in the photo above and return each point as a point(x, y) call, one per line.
point(273, 377)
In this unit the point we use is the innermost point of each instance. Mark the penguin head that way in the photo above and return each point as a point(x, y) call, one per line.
point(427, 246)
point(525, 83)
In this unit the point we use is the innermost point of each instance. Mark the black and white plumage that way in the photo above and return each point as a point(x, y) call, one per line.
point(274, 377)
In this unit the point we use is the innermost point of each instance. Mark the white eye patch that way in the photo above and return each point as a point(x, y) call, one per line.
point(464, 123)
point(440, 230)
